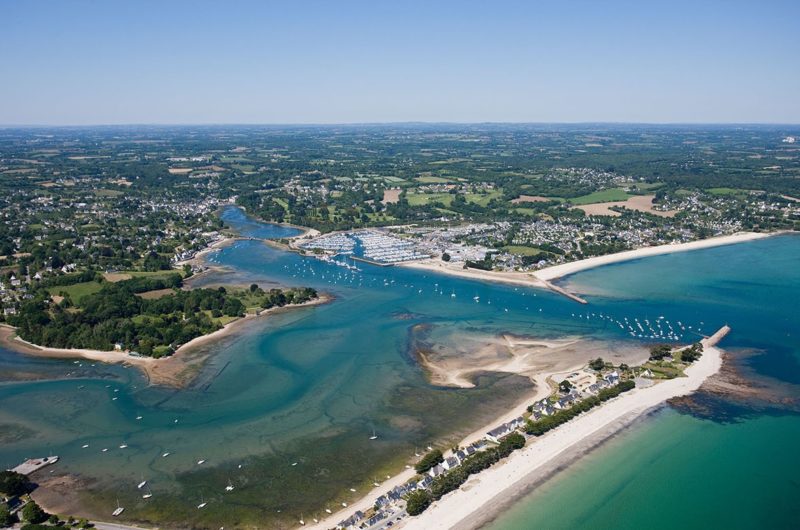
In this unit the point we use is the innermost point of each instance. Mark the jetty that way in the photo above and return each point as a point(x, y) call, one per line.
point(560, 290)
point(34, 464)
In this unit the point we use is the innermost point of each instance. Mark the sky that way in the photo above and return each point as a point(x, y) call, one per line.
point(187, 62)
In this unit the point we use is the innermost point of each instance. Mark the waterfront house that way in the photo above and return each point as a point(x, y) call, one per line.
point(450, 463)
point(425, 483)
point(498, 433)
point(436, 470)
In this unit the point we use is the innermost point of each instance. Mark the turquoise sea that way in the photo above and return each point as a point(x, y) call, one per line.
point(285, 409)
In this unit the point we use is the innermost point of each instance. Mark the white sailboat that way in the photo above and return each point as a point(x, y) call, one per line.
point(201, 462)
point(142, 484)
point(229, 487)
point(118, 511)
point(148, 494)
point(374, 436)
point(202, 503)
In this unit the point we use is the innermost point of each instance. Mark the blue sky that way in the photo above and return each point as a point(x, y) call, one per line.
point(97, 62)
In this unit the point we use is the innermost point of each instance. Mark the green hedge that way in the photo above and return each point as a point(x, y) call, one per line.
point(419, 500)
point(547, 423)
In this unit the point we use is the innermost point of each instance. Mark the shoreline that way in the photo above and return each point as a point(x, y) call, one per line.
point(167, 371)
point(486, 495)
point(559, 271)
point(543, 277)
point(540, 390)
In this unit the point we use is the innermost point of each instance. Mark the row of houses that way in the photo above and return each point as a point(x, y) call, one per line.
point(501, 431)
point(390, 503)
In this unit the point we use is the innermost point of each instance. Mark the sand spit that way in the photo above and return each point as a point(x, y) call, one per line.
point(531, 357)
point(483, 497)
point(542, 278)
point(559, 271)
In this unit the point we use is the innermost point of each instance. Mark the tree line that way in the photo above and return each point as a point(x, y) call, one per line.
point(115, 315)
point(547, 423)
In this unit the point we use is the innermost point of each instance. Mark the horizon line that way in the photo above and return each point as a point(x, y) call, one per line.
point(378, 123)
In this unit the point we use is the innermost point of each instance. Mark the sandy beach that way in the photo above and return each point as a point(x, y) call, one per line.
point(559, 271)
point(535, 358)
point(543, 277)
point(482, 497)
point(478, 501)
point(177, 370)
point(526, 279)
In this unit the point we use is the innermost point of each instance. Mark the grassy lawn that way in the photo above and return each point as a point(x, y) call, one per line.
point(725, 191)
point(665, 371)
point(108, 193)
point(614, 194)
point(432, 180)
point(648, 185)
point(394, 180)
point(525, 211)
point(483, 199)
point(418, 199)
point(153, 295)
point(77, 291)
point(151, 274)
point(522, 251)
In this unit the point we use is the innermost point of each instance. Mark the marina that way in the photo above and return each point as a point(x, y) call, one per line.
point(376, 305)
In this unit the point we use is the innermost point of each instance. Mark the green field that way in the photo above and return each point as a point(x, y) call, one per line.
point(725, 191)
point(522, 250)
point(77, 291)
point(394, 180)
point(483, 199)
point(432, 180)
point(418, 199)
point(614, 194)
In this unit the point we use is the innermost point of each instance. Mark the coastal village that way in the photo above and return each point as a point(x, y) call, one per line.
point(570, 394)
point(78, 214)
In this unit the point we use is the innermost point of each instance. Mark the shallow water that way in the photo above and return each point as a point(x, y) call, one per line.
point(309, 386)
point(736, 464)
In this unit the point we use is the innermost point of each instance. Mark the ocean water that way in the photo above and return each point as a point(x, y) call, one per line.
point(724, 461)
point(285, 408)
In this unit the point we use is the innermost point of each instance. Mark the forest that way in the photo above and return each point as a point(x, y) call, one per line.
point(118, 317)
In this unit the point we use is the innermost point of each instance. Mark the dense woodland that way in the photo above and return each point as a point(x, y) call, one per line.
point(117, 316)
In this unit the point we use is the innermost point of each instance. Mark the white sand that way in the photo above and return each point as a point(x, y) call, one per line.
point(558, 271)
point(542, 278)
point(475, 499)
point(452, 510)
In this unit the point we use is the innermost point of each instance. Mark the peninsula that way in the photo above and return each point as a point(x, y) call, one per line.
point(485, 494)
